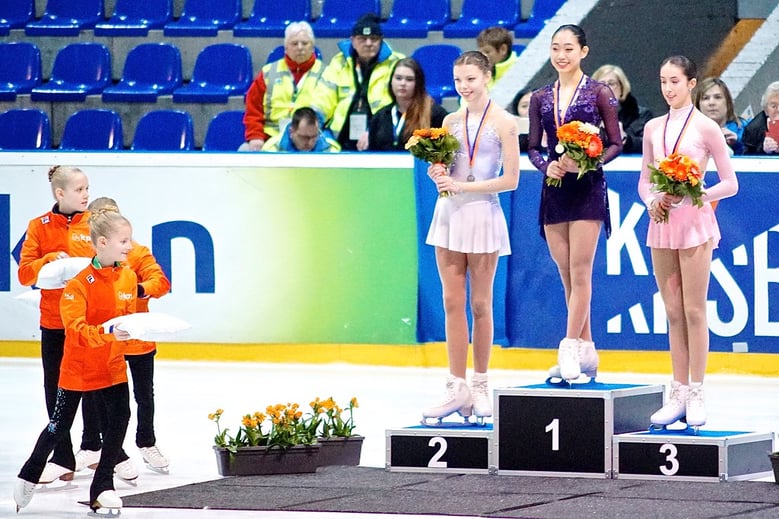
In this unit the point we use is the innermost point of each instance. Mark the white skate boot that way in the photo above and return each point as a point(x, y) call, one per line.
point(568, 359)
point(154, 459)
point(86, 459)
point(107, 504)
point(696, 409)
point(482, 403)
point(126, 471)
point(674, 409)
point(52, 472)
point(588, 363)
point(457, 400)
point(23, 491)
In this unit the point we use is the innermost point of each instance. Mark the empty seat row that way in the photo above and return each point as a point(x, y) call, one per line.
point(151, 69)
point(102, 130)
point(408, 18)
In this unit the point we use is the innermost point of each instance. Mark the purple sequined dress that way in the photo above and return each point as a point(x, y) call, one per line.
point(586, 198)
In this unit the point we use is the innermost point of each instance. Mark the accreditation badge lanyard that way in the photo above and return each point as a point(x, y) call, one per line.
point(398, 121)
point(358, 119)
point(474, 148)
point(681, 132)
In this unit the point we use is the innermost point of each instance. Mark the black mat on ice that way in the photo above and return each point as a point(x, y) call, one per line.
point(374, 490)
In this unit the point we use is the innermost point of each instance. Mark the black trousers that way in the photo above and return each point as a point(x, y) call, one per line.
point(52, 349)
point(142, 373)
point(114, 401)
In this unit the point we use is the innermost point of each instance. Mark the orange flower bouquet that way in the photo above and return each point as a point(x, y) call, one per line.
point(434, 145)
point(581, 141)
point(678, 175)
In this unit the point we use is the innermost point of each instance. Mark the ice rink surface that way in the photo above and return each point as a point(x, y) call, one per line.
point(186, 392)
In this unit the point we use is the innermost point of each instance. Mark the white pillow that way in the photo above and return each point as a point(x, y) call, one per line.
point(147, 326)
point(57, 273)
point(30, 297)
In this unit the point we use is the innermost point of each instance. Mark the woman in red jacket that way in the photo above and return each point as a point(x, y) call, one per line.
point(93, 359)
point(60, 233)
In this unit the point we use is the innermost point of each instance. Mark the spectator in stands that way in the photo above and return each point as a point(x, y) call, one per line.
point(271, 97)
point(712, 97)
point(412, 108)
point(520, 106)
point(497, 44)
point(762, 133)
point(354, 84)
point(632, 116)
point(302, 134)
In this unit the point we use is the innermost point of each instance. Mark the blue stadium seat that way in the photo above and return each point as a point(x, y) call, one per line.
point(205, 18)
point(225, 132)
point(518, 48)
point(221, 70)
point(20, 69)
point(66, 18)
point(15, 14)
point(136, 17)
point(436, 61)
point(150, 70)
point(477, 15)
point(269, 19)
point(413, 19)
point(94, 130)
point(25, 129)
point(338, 16)
point(542, 11)
point(80, 69)
point(278, 52)
point(164, 130)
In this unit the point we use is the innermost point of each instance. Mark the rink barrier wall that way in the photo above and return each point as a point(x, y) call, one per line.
point(294, 240)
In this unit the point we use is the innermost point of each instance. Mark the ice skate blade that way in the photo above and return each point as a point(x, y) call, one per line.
point(54, 487)
point(693, 430)
point(165, 471)
point(439, 423)
point(582, 380)
point(106, 512)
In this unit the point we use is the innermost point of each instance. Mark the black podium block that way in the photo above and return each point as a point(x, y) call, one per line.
point(458, 449)
point(707, 456)
point(550, 430)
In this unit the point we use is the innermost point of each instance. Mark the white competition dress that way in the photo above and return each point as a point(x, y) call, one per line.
point(472, 222)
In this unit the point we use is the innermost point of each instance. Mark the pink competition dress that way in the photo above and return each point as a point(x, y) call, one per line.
point(688, 226)
point(472, 222)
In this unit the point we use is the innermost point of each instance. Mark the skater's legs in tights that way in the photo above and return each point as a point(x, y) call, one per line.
point(52, 348)
point(58, 428)
point(116, 402)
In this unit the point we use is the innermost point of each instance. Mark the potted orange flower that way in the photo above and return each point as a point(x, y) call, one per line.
point(339, 445)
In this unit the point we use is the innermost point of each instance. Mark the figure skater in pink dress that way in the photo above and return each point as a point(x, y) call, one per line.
point(682, 246)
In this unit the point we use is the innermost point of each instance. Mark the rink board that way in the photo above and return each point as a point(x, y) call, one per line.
point(679, 455)
point(456, 449)
point(547, 430)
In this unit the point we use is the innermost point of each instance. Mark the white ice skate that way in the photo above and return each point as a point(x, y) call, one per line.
point(53, 472)
point(588, 366)
point(86, 459)
point(457, 400)
point(107, 504)
point(568, 359)
point(482, 404)
point(675, 408)
point(155, 460)
point(696, 409)
point(23, 491)
point(127, 472)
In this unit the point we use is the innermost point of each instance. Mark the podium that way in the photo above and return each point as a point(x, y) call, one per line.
point(458, 449)
point(707, 456)
point(548, 430)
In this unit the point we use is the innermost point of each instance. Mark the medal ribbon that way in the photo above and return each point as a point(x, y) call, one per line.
point(398, 121)
point(681, 133)
point(473, 149)
point(559, 118)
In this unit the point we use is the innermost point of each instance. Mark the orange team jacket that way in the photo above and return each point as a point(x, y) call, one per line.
point(47, 236)
point(94, 359)
point(155, 284)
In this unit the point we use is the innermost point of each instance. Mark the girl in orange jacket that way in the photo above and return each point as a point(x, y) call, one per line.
point(152, 282)
point(60, 233)
point(93, 359)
